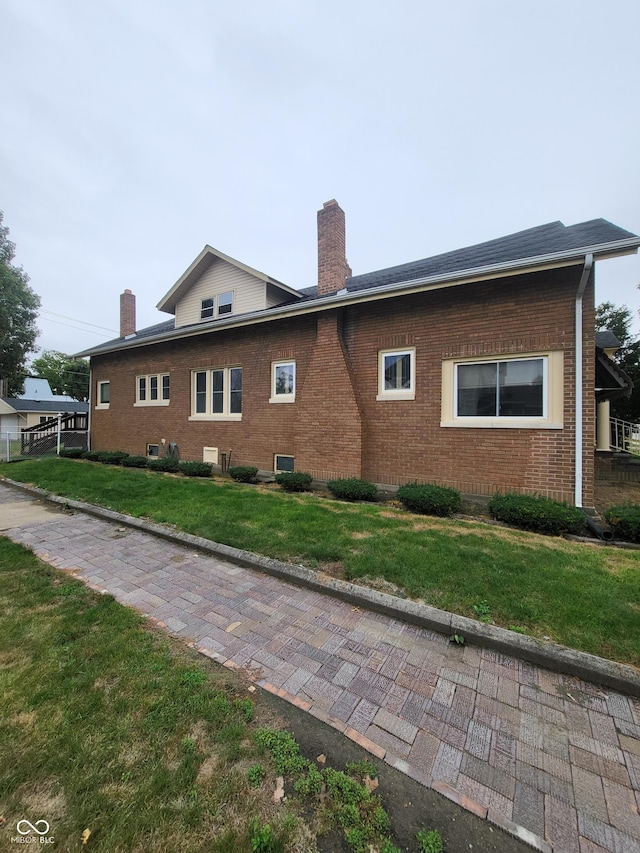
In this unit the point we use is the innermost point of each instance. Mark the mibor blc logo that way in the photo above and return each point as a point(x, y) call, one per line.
point(32, 833)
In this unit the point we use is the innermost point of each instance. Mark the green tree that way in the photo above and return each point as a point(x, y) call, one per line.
point(64, 374)
point(618, 320)
point(18, 311)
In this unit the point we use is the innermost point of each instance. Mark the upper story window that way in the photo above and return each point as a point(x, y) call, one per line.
point(283, 382)
point(206, 309)
point(523, 392)
point(103, 394)
point(217, 394)
point(224, 306)
point(396, 374)
point(153, 390)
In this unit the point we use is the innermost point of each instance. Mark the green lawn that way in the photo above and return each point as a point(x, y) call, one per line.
point(110, 729)
point(579, 595)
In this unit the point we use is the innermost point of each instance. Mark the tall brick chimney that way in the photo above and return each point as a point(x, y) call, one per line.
point(333, 269)
point(127, 314)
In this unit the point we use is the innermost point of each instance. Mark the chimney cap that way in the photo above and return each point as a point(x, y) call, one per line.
point(330, 203)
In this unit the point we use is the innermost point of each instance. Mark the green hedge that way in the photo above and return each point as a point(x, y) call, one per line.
point(429, 499)
point(72, 452)
point(195, 469)
point(135, 462)
point(168, 465)
point(112, 457)
point(243, 473)
point(625, 521)
point(294, 481)
point(537, 513)
point(91, 455)
point(353, 489)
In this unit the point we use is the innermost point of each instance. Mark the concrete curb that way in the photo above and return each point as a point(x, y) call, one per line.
point(616, 676)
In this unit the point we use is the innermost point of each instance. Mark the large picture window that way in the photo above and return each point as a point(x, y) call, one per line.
point(524, 392)
point(501, 389)
point(217, 394)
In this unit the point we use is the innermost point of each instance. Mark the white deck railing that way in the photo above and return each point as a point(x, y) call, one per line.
point(624, 436)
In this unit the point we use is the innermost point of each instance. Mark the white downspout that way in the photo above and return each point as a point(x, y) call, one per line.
point(586, 271)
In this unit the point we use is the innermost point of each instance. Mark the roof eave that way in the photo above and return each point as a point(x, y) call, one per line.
point(522, 266)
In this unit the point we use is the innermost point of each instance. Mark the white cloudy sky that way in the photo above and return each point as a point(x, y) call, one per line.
point(136, 131)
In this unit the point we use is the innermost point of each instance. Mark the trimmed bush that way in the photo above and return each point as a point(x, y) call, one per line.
point(625, 521)
point(195, 469)
point(429, 499)
point(243, 473)
point(294, 481)
point(91, 455)
point(537, 513)
point(112, 457)
point(135, 462)
point(353, 489)
point(169, 466)
point(71, 452)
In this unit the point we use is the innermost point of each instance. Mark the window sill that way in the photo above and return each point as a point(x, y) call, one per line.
point(141, 404)
point(215, 417)
point(102, 406)
point(396, 395)
point(284, 398)
point(502, 423)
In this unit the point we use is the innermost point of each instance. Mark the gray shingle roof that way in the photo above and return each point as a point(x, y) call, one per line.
point(45, 405)
point(605, 339)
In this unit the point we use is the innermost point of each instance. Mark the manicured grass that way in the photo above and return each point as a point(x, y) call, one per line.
point(579, 595)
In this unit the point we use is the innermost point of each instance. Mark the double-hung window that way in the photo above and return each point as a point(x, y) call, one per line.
point(217, 394)
point(153, 390)
point(523, 392)
point(397, 374)
point(224, 301)
point(283, 382)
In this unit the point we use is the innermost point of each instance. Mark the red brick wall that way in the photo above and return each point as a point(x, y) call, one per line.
point(336, 426)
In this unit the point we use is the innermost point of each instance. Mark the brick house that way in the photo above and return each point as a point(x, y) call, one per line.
point(458, 369)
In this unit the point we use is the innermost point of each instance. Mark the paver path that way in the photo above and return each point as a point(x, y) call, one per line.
point(542, 754)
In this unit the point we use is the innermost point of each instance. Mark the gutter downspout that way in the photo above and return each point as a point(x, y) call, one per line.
point(586, 272)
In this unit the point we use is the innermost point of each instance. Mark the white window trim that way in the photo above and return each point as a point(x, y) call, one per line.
point(148, 401)
point(225, 415)
point(282, 398)
point(553, 398)
point(99, 385)
point(215, 307)
point(233, 302)
point(212, 309)
point(277, 456)
point(401, 393)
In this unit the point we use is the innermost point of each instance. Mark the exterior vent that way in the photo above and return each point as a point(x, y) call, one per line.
point(210, 454)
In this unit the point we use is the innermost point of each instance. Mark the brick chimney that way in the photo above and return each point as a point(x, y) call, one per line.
point(127, 314)
point(333, 269)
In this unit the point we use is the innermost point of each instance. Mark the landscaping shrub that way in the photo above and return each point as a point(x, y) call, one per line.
point(168, 465)
point(112, 457)
point(537, 513)
point(71, 452)
point(353, 489)
point(625, 521)
point(135, 462)
point(195, 469)
point(91, 455)
point(243, 473)
point(428, 499)
point(294, 481)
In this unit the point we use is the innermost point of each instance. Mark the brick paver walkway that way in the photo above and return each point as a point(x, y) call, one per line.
point(552, 758)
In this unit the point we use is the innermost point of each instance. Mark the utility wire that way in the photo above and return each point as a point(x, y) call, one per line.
point(74, 320)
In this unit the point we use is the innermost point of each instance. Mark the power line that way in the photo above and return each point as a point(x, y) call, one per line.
point(75, 320)
point(77, 328)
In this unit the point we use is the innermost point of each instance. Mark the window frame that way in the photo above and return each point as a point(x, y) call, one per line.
point(231, 295)
point(282, 397)
point(227, 393)
point(385, 394)
point(277, 456)
point(552, 394)
point(145, 382)
point(216, 309)
point(100, 385)
point(207, 311)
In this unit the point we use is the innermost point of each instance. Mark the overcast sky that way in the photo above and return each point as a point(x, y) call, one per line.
point(136, 131)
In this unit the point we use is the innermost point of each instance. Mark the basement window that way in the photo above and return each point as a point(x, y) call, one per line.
point(153, 450)
point(283, 464)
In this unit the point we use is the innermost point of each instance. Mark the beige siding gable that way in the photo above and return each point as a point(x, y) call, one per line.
point(249, 292)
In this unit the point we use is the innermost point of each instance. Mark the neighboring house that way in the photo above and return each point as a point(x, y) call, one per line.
point(462, 369)
point(17, 414)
